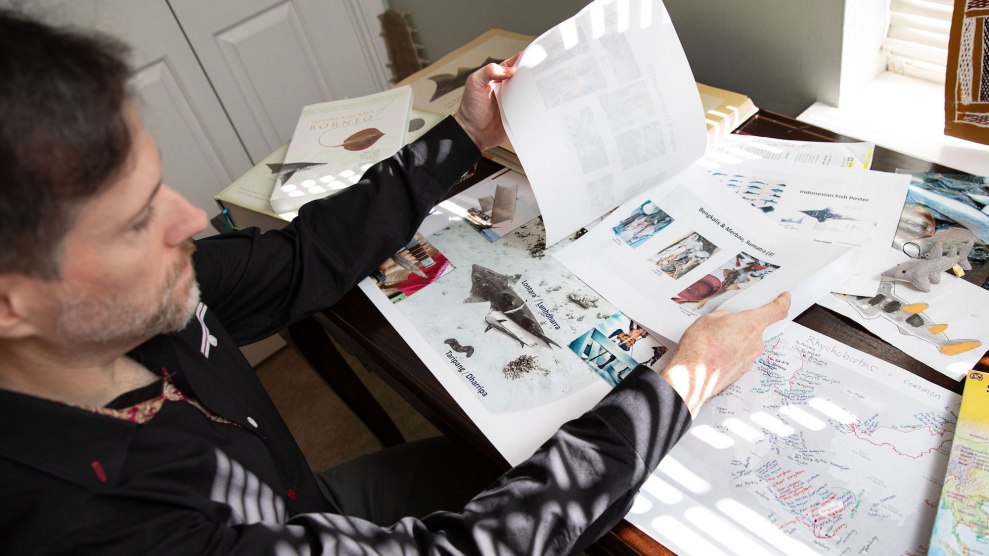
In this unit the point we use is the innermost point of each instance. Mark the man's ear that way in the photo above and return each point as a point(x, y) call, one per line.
point(15, 292)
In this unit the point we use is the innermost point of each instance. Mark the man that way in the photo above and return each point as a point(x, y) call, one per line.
point(132, 424)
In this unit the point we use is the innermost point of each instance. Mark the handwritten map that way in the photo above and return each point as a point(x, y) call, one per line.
point(962, 523)
point(820, 449)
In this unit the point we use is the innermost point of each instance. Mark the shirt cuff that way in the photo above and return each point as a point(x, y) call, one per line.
point(447, 151)
point(647, 412)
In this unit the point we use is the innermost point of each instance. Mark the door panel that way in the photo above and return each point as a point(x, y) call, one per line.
point(187, 151)
point(201, 152)
point(268, 58)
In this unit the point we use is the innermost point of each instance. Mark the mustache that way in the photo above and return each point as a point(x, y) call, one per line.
point(187, 248)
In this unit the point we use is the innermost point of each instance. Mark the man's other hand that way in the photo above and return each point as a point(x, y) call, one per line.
point(718, 348)
point(478, 112)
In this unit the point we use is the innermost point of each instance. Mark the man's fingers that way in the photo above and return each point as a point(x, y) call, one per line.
point(493, 73)
point(771, 312)
point(511, 61)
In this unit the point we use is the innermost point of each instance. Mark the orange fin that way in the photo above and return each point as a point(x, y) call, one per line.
point(914, 308)
point(960, 346)
point(938, 328)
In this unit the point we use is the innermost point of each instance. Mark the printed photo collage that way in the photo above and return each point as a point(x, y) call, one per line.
point(676, 256)
point(611, 348)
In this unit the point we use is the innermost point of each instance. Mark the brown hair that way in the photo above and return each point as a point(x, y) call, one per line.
point(63, 135)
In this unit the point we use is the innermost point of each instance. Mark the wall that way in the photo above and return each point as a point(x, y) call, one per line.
point(785, 54)
point(862, 56)
point(444, 25)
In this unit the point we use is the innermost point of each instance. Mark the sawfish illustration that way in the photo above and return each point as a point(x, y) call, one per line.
point(498, 290)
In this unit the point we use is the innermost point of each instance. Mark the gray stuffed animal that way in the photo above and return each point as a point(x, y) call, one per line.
point(926, 271)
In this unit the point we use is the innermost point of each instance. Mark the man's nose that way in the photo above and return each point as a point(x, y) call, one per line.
point(188, 220)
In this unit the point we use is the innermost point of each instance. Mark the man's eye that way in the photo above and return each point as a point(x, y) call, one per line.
point(143, 223)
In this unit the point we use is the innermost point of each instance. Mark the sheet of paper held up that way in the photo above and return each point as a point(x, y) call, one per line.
point(819, 449)
point(602, 107)
point(666, 257)
point(833, 206)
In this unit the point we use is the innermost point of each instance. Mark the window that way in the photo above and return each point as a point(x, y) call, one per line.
point(916, 42)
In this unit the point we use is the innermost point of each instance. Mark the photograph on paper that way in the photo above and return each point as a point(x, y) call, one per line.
point(735, 275)
point(496, 205)
point(733, 258)
point(617, 345)
point(644, 222)
point(684, 255)
point(950, 209)
point(412, 268)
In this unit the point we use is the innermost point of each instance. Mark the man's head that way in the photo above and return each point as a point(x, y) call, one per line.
point(63, 135)
point(95, 247)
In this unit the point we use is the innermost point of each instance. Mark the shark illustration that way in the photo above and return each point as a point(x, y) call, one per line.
point(498, 290)
point(825, 214)
point(924, 272)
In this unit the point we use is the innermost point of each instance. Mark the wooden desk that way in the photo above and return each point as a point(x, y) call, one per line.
point(364, 331)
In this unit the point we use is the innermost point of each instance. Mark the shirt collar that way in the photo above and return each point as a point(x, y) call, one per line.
point(69, 442)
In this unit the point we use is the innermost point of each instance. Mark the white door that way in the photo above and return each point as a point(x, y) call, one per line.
point(267, 59)
point(201, 152)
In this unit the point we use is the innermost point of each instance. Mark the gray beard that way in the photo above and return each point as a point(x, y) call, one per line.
point(106, 319)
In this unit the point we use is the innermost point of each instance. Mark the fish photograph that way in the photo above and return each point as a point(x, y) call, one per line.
point(708, 293)
point(684, 255)
point(412, 268)
point(951, 210)
point(645, 221)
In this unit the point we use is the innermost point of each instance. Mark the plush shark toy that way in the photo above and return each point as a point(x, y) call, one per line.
point(926, 271)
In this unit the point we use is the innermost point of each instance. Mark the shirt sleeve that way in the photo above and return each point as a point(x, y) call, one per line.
point(576, 487)
point(259, 283)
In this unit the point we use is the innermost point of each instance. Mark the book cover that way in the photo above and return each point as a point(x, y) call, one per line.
point(246, 200)
point(334, 142)
point(962, 522)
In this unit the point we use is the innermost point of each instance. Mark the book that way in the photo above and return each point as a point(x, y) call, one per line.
point(724, 110)
point(246, 201)
point(960, 523)
point(439, 86)
point(335, 142)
